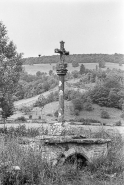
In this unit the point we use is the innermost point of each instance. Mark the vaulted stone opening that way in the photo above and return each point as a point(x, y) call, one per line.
point(76, 159)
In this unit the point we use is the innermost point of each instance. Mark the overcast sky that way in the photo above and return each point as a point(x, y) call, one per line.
point(86, 26)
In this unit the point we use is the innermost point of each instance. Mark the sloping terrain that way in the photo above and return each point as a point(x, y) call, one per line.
point(31, 101)
point(95, 114)
point(50, 108)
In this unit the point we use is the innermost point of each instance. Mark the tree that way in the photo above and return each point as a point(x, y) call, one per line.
point(102, 63)
point(82, 69)
point(50, 72)
point(75, 73)
point(38, 73)
point(10, 68)
point(75, 63)
point(114, 98)
point(112, 83)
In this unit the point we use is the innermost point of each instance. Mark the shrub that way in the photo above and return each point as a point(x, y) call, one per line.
point(30, 116)
point(21, 119)
point(122, 115)
point(88, 106)
point(76, 112)
point(105, 114)
point(71, 94)
point(118, 123)
point(53, 96)
point(26, 110)
point(75, 63)
point(39, 117)
point(49, 115)
point(77, 104)
point(82, 69)
point(99, 95)
point(56, 113)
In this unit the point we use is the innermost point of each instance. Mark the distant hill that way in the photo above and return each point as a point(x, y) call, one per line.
point(81, 58)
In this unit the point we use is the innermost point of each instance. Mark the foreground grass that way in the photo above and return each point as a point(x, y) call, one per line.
point(35, 170)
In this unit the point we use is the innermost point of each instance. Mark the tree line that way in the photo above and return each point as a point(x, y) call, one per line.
point(79, 58)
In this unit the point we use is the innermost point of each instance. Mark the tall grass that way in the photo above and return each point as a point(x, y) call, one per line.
point(21, 130)
point(36, 170)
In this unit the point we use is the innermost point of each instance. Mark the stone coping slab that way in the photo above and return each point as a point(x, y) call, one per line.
point(47, 137)
point(81, 141)
point(73, 139)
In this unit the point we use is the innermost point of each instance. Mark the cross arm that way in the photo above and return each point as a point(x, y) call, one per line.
point(62, 52)
point(58, 51)
point(66, 53)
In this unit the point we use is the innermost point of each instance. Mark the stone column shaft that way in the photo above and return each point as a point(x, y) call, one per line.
point(61, 99)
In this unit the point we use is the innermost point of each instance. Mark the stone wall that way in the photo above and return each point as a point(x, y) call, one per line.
point(55, 147)
point(90, 151)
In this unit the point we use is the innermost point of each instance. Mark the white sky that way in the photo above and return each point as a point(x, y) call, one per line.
point(86, 26)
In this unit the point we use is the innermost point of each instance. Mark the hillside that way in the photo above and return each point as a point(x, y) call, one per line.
point(31, 101)
point(95, 114)
point(81, 58)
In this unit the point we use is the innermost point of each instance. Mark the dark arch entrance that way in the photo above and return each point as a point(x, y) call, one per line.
point(76, 159)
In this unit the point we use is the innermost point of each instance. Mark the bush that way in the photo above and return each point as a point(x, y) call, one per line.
point(42, 101)
point(118, 123)
point(108, 93)
point(50, 115)
point(77, 104)
point(122, 115)
point(88, 106)
point(30, 116)
point(75, 63)
point(99, 95)
point(21, 119)
point(56, 113)
point(71, 94)
point(105, 114)
point(39, 117)
point(76, 112)
point(26, 110)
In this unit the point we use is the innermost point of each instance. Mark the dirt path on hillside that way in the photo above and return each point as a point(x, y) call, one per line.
point(31, 101)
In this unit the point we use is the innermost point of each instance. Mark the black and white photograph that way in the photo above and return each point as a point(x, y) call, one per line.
point(61, 92)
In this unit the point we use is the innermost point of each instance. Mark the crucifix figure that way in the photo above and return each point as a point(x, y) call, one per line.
point(61, 72)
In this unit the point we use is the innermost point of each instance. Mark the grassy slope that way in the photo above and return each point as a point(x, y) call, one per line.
point(95, 114)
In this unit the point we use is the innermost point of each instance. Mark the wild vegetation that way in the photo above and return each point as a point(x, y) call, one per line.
point(31, 85)
point(35, 170)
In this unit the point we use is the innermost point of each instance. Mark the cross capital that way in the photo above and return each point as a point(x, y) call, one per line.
point(62, 50)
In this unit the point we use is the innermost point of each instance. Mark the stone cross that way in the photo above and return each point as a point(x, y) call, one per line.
point(61, 72)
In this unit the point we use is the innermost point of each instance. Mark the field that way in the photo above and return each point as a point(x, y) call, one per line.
point(32, 69)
